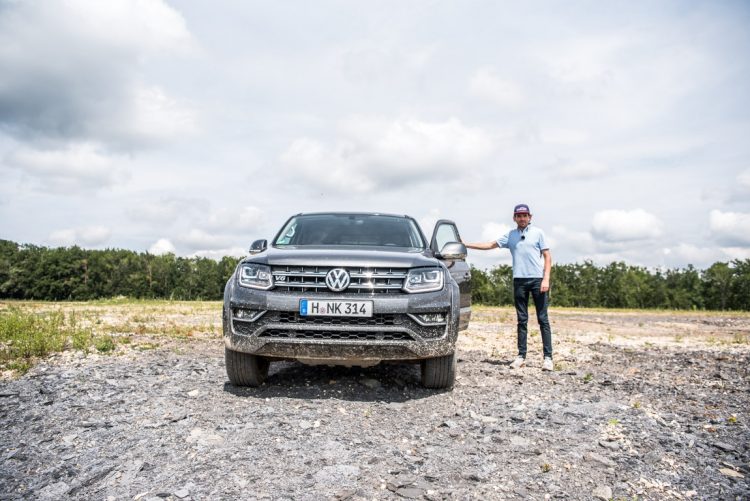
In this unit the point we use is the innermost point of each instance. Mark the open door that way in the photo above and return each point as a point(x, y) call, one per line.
point(446, 245)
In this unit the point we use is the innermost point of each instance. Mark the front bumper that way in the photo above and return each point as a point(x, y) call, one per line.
point(393, 333)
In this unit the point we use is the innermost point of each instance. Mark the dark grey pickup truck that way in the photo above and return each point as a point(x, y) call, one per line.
point(349, 289)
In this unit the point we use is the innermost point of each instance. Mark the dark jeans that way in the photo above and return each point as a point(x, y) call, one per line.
point(522, 287)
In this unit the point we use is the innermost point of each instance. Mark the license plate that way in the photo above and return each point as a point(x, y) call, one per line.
point(334, 308)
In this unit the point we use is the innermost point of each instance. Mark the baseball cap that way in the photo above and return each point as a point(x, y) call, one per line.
point(522, 209)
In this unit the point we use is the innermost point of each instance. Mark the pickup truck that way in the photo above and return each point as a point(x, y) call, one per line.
point(351, 289)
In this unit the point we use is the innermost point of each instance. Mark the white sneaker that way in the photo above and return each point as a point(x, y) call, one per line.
point(518, 362)
point(548, 365)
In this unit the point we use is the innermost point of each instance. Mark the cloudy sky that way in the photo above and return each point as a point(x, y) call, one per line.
point(197, 127)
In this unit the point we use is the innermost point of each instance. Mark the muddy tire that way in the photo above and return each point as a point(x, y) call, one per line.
point(439, 372)
point(244, 369)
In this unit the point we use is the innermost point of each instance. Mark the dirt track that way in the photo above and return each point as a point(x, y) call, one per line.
point(648, 405)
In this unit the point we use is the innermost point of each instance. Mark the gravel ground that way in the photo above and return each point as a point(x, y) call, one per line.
point(628, 413)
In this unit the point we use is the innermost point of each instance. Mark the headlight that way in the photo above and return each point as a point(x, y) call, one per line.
point(256, 276)
point(424, 280)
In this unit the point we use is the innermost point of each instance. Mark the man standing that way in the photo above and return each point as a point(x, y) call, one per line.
point(532, 263)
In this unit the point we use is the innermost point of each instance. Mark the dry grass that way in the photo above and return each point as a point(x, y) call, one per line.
point(30, 330)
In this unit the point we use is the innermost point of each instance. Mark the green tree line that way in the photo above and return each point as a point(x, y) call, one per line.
point(722, 286)
point(72, 273)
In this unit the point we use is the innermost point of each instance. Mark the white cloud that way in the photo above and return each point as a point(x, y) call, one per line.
point(162, 246)
point(87, 236)
point(743, 181)
point(63, 237)
point(79, 166)
point(148, 25)
point(375, 153)
point(578, 242)
point(197, 214)
point(589, 60)
point(419, 146)
point(740, 253)
point(366, 65)
point(693, 254)
point(83, 79)
point(338, 168)
point(245, 219)
point(566, 137)
point(582, 170)
point(730, 228)
point(611, 77)
point(487, 84)
point(156, 116)
point(199, 240)
point(167, 209)
point(625, 226)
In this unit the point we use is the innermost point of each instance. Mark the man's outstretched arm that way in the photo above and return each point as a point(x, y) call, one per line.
point(481, 245)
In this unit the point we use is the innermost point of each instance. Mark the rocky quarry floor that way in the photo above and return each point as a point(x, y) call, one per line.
point(641, 406)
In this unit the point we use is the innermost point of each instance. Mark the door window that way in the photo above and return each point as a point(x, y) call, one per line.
point(444, 234)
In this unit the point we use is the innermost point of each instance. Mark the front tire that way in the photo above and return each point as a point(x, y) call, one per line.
point(244, 369)
point(439, 372)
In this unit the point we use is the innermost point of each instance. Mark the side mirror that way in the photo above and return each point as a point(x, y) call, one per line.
point(258, 246)
point(454, 251)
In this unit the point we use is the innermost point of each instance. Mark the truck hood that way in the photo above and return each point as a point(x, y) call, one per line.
point(345, 256)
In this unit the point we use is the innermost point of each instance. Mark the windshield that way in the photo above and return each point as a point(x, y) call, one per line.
point(351, 229)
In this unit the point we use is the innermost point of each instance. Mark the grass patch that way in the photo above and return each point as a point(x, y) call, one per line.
point(560, 366)
point(25, 336)
point(20, 365)
point(104, 344)
point(81, 340)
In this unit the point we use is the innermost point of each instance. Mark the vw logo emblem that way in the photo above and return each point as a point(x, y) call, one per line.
point(337, 279)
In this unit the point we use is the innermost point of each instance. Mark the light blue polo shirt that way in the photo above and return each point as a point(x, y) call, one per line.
point(526, 248)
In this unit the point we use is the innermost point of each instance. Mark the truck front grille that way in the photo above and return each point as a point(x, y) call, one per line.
point(379, 327)
point(363, 280)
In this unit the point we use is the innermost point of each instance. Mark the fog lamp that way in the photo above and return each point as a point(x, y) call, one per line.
point(437, 318)
point(247, 315)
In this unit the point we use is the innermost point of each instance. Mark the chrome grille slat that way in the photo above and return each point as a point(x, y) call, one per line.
point(364, 280)
point(299, 274)
point(378, 275)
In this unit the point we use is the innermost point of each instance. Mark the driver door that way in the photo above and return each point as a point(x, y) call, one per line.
point(446, 232)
